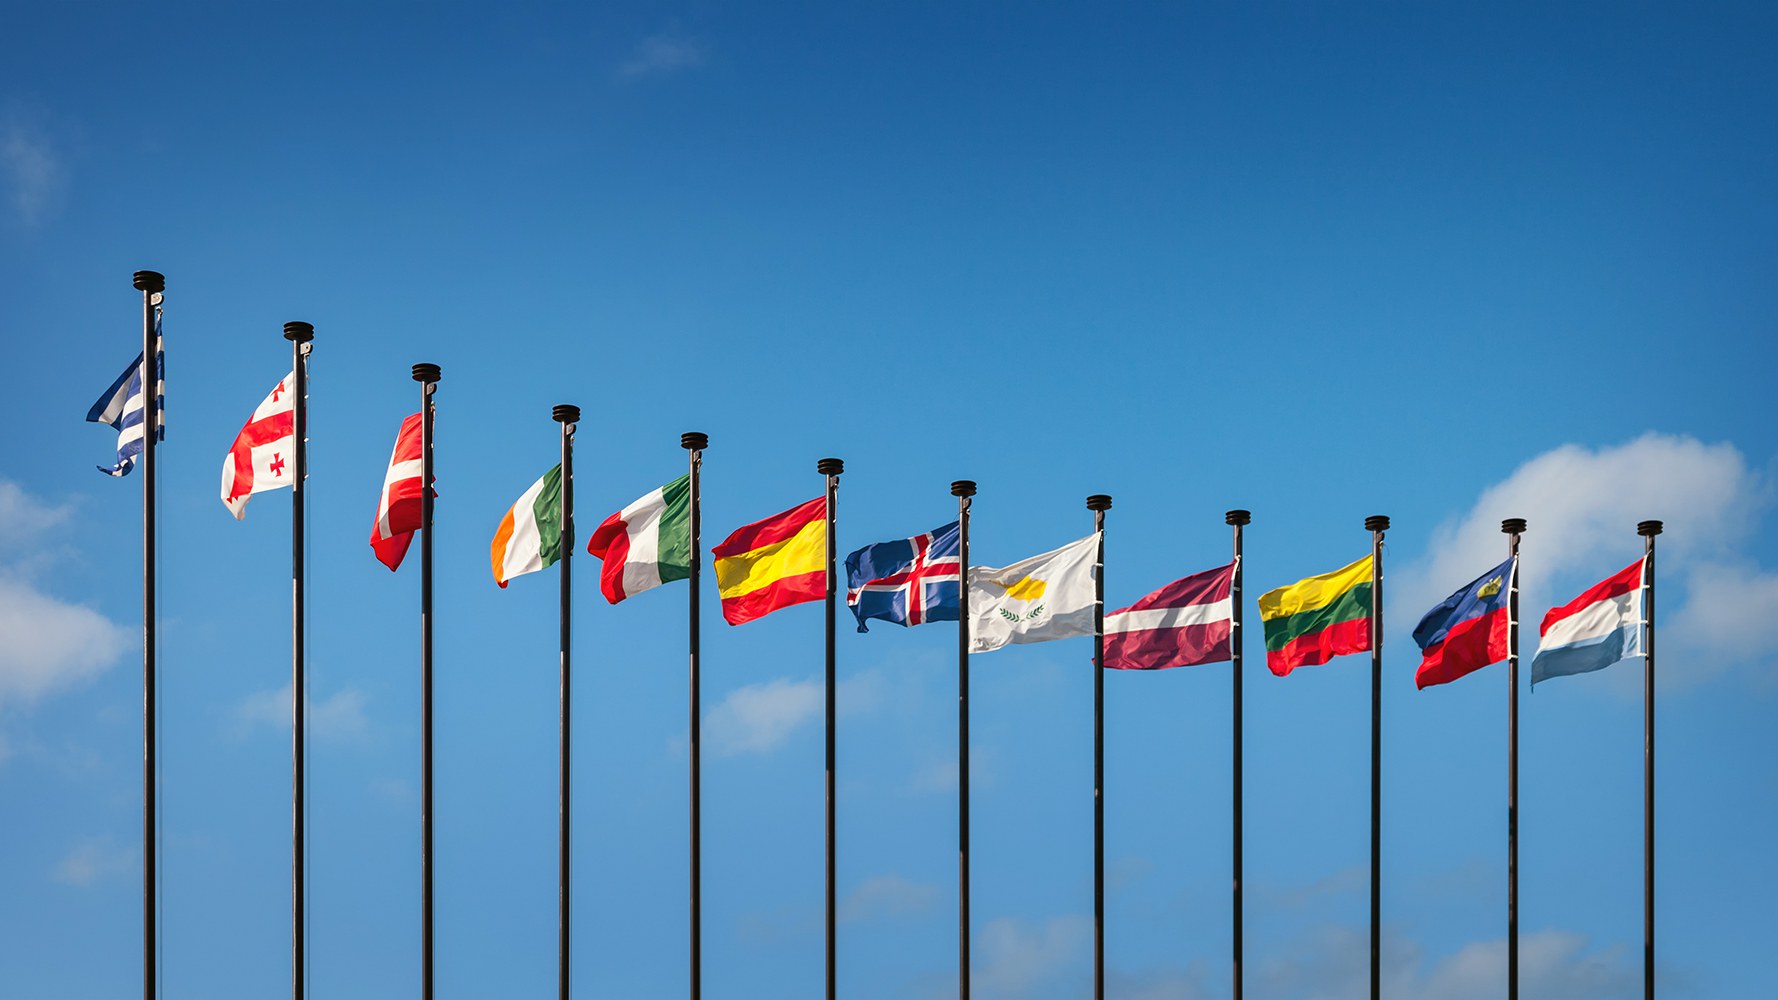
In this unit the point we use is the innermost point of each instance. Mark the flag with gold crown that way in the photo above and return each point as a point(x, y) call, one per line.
point(1035, 600)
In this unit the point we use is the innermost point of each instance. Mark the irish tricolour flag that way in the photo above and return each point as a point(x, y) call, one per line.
point(530, 535)
point(647, 543)
point(1596, 629)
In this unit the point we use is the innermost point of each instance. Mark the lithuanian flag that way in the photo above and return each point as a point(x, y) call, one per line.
point(773, 563)
point(1311, 621)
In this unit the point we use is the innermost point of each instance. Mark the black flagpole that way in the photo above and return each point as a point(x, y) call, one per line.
point(1099, 503)
point(1376, 524)
point(694, 442)
point(1648, 530)
point(1513, 527)
point(963, 489)
point(427, 375)
point(831, 468)
point(1236, 519)
point(151, 284)
point(299, 335)
point(566, 414)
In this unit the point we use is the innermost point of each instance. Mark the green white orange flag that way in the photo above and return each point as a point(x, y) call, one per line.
point(647, 543)
point(1314, 620)
point(530, 535)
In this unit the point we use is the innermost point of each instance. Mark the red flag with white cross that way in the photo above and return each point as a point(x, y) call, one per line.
point(262, 457)
point(398, 509)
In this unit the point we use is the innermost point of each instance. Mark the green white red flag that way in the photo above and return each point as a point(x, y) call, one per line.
point(647, 543)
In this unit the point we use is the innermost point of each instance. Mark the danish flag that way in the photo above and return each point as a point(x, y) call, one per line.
point(263, 452)
point(398, 509)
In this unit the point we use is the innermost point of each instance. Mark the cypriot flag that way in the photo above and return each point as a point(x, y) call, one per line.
point(1038, 599)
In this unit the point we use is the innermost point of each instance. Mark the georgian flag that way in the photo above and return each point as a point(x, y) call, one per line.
point(398, 509)
point(264, 453)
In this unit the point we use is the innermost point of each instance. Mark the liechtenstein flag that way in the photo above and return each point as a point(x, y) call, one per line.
point(1468, 630)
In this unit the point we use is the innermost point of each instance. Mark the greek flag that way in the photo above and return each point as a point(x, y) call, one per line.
point(122, 405)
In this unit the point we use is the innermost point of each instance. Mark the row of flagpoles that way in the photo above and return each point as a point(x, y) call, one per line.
point(790, 558)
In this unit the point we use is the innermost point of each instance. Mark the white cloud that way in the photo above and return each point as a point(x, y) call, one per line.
point(24, 519)
point(95, 858)
point(47, 644)
point(337, 718)
point(1014, 958)
point(1582, 506)
point(887, 896)
point(758, 718)
point(941, 775)
point(661, 54)
point(32, 170)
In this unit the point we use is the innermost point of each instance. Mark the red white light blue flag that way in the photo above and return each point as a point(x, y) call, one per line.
point(1468, 630)
point(1596, 629)
point(909, 581)
point(1184, 624)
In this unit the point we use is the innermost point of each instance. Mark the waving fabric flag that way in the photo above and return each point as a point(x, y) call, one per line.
point(1595, 630)
point(1184, 624)
point(906, 582)
point(259, 459)
point(122, 406)
point(1317, 619)
point(530, 534)
point(647, 543)
point(398, 509)
point(1035, 600)
point(773, 563)
point(1468, 630)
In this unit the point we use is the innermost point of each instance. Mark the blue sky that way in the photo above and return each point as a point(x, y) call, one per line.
point(1451, 264)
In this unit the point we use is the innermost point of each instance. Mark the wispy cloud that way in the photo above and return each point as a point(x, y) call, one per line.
point(888, 896)
point(337, 718)
point(32, 170)
point(1014, 957)
point(941, 775)
point(94, 859)
point(759, 718)
point(659, 55)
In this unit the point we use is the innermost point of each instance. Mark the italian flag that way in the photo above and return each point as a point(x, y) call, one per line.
point(530, 535)
point(647, 543)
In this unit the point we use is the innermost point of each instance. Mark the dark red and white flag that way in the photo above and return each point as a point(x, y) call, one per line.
point(264, 453)
point(398, 509)
point(1183, 624)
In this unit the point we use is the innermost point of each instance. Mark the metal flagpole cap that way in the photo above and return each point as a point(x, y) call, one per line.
point(299, 332)
point(1377, 522)
point(963, 488)
point(150, 281)
point(830, 466)
point(567, 413)
point(1238, 517)
point(694, 440)
point(1513, 526)
point(1099, 501)
point(1648, 529)
point(427, 373)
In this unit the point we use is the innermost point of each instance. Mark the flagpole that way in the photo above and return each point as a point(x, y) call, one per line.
point(565, 414)
point(1376, 524)
point(1236, 519)
point(694, 442)
point(1513, 527)
point(831, 468)
point(1648, 530)
point(299, 334)
point(427, 375)
point(151, 284)
point(963, 490)
point(1099, 503)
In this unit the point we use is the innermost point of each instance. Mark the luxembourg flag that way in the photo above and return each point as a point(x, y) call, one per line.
point(1596, 629)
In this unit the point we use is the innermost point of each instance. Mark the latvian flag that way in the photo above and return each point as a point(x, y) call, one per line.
point(263, 453)
point(909, 581)
point(1184, 624)
point(1596, 629)
point(398, 509)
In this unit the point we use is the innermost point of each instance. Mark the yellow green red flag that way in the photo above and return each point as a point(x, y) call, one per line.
point(1314, 620)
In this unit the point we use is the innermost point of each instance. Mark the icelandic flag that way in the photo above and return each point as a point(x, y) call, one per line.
point(1596, 629)
point(1468, 630)
point(122, 405)
point(908, 582)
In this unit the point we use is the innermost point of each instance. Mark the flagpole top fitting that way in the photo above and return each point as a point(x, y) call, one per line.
point(830, 466)
point(694, 440)
point(1376, 522)
point(1648, 529)
point(963, 488)
point(1513, 526)
point(298, 332)
point(426, 373)
point(1238, 517)
point(150, 281)
point(1098, 501)
point(566, 413)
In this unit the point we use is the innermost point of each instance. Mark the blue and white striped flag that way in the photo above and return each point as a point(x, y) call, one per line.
point(122, 405)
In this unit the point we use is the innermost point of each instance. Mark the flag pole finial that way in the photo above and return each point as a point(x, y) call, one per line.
point(1648, 529)
point(963, 488)
point(150, 281)
point(1513, 526)
point(1238, 517)
point(427, 373)
point(1377, 522)
point(694, 440)
point(1099, 501)
point(830, 466)
point(298, 332)
point(566, 413)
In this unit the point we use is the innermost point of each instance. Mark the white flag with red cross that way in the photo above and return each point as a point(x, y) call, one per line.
point(264, 453)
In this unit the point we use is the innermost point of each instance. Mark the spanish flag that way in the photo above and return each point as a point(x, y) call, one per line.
point(773, 563)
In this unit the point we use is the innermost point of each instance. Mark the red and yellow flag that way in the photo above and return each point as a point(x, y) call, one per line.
point(773, 563)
